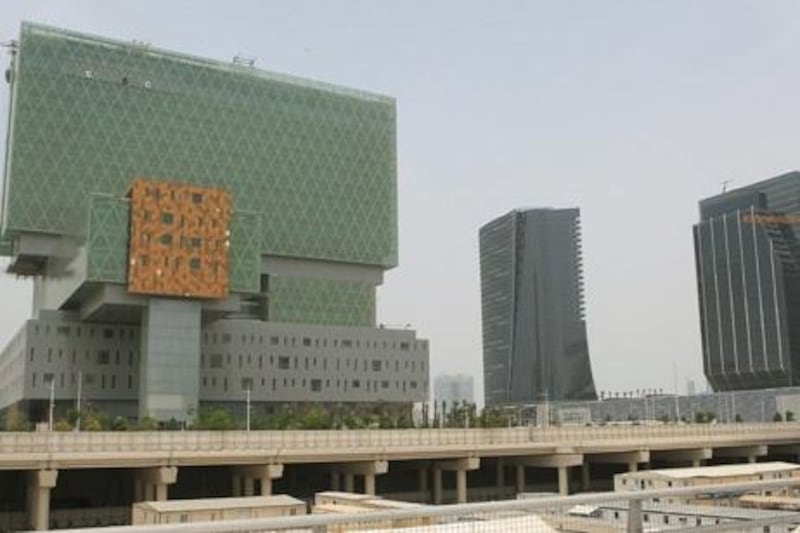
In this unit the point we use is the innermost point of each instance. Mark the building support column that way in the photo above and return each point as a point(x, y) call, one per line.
point(349, 482)
point(335, 481)
point(236, 486)
point(520, 479)
point(423, 479)
point(633, 466)
point(40, 483)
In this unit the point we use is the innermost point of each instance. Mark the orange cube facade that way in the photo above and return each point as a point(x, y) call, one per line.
point(179, 239)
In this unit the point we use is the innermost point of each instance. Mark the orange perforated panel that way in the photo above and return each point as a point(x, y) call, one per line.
point(179, 239)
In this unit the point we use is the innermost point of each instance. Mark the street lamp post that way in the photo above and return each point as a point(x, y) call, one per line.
point(78, 402)
point(52, 404)
point(248, 409)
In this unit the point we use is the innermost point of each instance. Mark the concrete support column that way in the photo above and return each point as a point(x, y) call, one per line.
point(751, 459)
point(520, 478)
point(633, 466)
point(585, 475)
point(423, 479)
point(368, 469)
point(563, 480)
point(335, 481)
point(562, 460)
point(437, 486)
point(461, 486)
point(697, 463)
point(138, 490)
point(249, 486)
point(40, 483)
point(244, 478)
point(369, 484)
point(501, 473)
point(155, 481)
point(460, 466)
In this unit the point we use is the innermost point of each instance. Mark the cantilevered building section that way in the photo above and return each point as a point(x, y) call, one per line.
point(534, 333)
point(748, 279)
point(196, 229)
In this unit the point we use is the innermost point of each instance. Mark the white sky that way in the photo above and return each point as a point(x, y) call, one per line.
point(630, 110)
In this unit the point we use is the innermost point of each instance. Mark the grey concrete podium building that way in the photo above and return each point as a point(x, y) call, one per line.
point(195, 230)
point(534, 331)
point(748, 280)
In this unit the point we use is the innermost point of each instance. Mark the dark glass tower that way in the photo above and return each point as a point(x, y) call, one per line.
point(748, 277)
point(534, 333)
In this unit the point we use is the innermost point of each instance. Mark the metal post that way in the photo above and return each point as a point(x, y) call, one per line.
point(78, 401)
point(248, 409)
point(52, 403)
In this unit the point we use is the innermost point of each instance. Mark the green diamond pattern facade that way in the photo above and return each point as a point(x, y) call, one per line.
point(322, 302)
point(316, 162)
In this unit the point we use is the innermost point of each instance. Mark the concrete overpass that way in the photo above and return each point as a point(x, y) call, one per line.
point(256, 458)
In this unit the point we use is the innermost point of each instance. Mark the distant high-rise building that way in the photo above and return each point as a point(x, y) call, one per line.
point(453, 388)
point(748, 277)
point(534, 333)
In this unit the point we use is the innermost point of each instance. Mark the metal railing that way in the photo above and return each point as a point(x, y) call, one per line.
point(550, 511)
point(218, 441)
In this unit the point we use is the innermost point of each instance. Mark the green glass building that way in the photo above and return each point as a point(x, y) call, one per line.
point(311, 169)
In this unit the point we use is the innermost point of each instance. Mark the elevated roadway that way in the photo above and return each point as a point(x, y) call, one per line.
point(256, 458)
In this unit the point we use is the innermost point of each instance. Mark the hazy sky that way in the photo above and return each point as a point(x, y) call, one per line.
point(630, 110)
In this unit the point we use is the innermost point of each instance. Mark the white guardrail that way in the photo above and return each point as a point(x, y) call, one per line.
point(210, 441)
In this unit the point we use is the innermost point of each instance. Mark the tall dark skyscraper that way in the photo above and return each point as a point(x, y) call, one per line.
point(534, 333)
point(748, 277)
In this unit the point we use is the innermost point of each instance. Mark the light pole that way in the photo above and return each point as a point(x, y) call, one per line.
point(248, 409)
point(78, 402)
point(52, 403)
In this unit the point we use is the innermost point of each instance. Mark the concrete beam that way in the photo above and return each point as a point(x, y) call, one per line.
point(363, 468)
point(690, 455)
point(624, 458)
point(462, 463)
point(557, 460)
point(749, 452)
